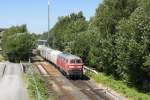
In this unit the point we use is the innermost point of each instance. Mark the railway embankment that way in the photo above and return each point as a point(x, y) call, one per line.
point(93, 86)
point(36, 85)
point(71, 88)
point(61, 85)
point(116, 86)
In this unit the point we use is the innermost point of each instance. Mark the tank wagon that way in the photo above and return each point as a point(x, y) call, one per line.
point(70, 64)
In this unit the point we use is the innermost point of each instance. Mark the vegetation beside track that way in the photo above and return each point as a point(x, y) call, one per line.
point(1, 58)
point(118, 86)
point(42, 89)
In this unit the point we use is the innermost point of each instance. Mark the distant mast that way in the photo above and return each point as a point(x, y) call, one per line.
point(48, 19)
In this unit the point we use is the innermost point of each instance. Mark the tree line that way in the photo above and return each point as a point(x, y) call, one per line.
point(17, 43)
point(116, 40)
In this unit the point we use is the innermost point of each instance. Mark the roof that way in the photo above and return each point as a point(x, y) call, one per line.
point(69, 56)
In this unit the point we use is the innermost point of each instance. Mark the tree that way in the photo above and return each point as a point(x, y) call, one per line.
point(44, 36)
point(132, 47)
point(19, 46)
point(17, 43)
point(116, 40)
point(105, 21)
point(64, 34)
point(11, 31)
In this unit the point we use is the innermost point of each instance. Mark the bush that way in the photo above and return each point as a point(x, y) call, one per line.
point(18, 46)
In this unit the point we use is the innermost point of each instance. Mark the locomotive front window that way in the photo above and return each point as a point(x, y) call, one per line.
point(78, 61)
point(72, 61)
point(75, 61)
point(66, 61)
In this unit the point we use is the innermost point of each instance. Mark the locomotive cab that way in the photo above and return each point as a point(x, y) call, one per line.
point(72, 65)
point(75, 67)
point(75, 63)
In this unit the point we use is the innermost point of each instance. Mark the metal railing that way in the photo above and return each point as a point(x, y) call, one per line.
point(108, 93)
point(90, 70)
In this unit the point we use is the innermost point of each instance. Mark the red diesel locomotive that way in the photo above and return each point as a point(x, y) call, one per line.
point(70, 64)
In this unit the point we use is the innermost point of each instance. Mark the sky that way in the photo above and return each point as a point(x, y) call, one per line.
point(34, 12)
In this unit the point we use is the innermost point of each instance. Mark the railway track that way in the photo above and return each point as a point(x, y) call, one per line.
point(45, 76)
point(84, 85)
point(92, 92)
point(85, 88)
point(49, 78)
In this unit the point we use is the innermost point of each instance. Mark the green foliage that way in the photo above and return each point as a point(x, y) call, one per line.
point(116, 40)
point(64, 34)
point(110, 12)
point(18, 46)
point(41, 88)
point(147, 64)
point(105, 21)
point(17, 43)
point(132, 45)
point(34, 37)
point(44, 36)
point(13, 30)
point(1, 58)
point(119, 86)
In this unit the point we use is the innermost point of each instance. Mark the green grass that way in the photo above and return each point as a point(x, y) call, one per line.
point(41, 88)
point(119, 86)
point(1, 58)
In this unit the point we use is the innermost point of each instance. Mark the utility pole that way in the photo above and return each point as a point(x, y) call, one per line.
point(49, 24)
point(48, 20)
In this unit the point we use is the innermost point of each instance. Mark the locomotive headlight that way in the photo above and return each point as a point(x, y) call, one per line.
point(79, 67)
point(71, 66)
point(75, 67)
